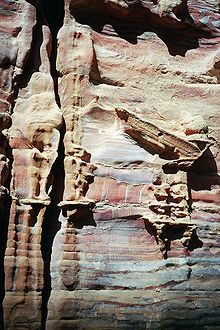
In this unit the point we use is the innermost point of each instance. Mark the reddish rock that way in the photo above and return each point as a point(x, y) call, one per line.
point(109, 161)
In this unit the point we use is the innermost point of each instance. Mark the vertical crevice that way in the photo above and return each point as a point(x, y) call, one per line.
point(4, 220)
point(33, 61)
point(53, 11)
point(51, 225)
point(3, 241)
point(190, 201)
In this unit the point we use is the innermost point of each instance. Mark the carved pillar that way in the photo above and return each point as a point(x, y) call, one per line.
point(23, 265)
point(76, 43)
point(74, 86)
point(34, 137)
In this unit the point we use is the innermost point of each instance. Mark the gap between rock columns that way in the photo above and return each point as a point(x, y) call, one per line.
point(37, 163)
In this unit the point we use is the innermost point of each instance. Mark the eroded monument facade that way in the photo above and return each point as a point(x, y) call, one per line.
point(109, 161)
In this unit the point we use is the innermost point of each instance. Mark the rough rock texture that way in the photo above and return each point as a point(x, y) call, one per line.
point(109, 160)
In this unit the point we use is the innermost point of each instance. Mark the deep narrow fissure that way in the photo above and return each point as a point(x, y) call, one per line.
point(33, 61)
point(3, 241)
point(4, 220)
point(53, 11)
point(51, 225)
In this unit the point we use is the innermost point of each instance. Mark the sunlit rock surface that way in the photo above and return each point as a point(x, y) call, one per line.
point(109, 161)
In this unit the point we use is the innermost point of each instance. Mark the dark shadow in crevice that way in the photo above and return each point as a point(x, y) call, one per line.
point(179, 36)
point(34, 212)
point(179, 45)
point(172, 232)
point(176, 43)
point(190, 202)
point(182, 12)
point(32, 2)
point(128, 33)
point(47, 12)
point(4, 220)
point(195, 242)
point(53, 12)
point(82, 217)
point(33, 61)
point(203, 174)
point(51, 225)
point(95, 77)
point(54, 72)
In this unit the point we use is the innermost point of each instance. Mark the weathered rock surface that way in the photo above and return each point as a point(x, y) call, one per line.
point(109, 161)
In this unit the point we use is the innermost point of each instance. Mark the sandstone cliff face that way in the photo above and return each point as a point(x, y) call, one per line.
point(109, 160)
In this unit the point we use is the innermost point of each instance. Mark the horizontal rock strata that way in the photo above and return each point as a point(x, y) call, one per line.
point(109, 162)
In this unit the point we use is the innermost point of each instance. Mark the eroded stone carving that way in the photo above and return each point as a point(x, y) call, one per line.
point(171, 210)
point(75, 42)
point(36, 137)
point(151, 56)
point(170, 218)
point(75, 80)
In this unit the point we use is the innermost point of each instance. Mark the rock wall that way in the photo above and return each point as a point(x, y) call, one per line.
point(109, 185)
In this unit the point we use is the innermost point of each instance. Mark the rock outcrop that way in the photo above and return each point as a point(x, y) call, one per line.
point(109, 161)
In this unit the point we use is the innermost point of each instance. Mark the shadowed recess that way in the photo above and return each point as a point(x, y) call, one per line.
point(203, 173)
point(33, 61)
point(130, 24)
point(82, 217)
point(53, 11)
point(4, 219)
point(5, 205)
point(51, 225)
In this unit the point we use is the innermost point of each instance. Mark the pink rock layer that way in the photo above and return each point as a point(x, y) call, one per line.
point(89, 198)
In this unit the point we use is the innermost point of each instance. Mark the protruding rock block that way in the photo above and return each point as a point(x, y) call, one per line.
point(158, 140)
